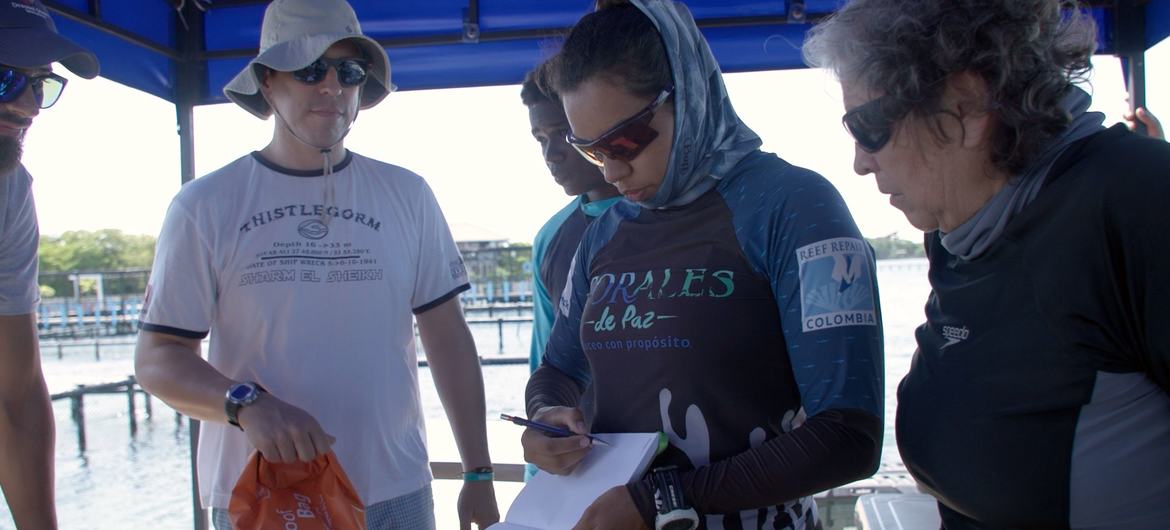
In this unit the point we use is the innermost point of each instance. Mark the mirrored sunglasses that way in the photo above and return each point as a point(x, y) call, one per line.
point(350, 72)
point(47, 88)
point(624, 141)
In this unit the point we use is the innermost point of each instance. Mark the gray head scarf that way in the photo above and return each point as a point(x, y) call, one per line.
point(972, 238)
point(709, 138)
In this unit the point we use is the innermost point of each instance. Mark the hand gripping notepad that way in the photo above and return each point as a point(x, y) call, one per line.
point(556, 502)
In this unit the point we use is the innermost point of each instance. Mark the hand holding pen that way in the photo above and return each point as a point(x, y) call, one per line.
point(550, 430)
point(556, 453)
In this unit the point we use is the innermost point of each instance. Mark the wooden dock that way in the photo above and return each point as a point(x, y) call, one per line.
point(129, 387)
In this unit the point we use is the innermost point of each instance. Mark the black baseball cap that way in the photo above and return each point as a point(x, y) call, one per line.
point(29, 39)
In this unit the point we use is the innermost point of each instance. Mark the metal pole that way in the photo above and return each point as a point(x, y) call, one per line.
point(200, 518)
point(191, 85)
point(186, 117)
point(1131, 47)
point(79, 417)
point(1135, 81)
point(130, 408)
point(190, 81)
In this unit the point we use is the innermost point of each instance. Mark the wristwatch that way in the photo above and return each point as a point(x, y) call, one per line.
point(673, 511)
point(239, 396)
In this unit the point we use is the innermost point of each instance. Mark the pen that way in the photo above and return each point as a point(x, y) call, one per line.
point(556, 432)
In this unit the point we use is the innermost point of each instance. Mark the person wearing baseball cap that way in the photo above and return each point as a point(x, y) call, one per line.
point(29, 45)
point(305, 262)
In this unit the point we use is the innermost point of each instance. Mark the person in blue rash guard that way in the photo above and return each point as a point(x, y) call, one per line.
point(730, 302)
point(557, 240)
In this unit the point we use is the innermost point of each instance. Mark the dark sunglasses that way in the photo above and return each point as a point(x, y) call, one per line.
point(872, 124)
point(350, 72)
point(624, 141)
point(46, 88)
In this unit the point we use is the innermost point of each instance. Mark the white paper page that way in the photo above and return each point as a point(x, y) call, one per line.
point(556, 502)
point(504, 525)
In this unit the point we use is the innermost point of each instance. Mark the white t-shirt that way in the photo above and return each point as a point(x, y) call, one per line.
point(313, 299)
point(19, 236)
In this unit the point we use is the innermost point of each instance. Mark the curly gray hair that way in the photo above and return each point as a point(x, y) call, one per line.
point(1028, 51)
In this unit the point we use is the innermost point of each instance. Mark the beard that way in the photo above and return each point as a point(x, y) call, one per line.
point(10, 151)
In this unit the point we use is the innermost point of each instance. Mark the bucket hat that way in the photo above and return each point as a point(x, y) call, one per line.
point(293, 35)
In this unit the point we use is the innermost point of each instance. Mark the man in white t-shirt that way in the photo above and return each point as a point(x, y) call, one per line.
point(305, 263)
point(29, 44)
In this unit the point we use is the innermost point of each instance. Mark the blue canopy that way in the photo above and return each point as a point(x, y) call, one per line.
point(184, 51)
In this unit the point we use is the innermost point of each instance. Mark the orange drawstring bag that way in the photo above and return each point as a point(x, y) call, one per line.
point(298, 496)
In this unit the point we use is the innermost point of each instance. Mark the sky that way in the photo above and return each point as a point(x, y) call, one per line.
point(107, 156)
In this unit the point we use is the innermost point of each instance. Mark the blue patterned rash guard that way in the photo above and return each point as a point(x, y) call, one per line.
point(746, 326)
point(552, 253)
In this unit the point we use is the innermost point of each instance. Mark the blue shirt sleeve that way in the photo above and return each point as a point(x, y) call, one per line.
point(19, 237)
point(795, 229)
point(543, 312)
point(564, 351)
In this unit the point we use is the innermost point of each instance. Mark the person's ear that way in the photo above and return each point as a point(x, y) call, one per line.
point(967, 96)
point(264, 76)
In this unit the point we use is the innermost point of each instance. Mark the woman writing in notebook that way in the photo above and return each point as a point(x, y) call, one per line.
point(729, 302)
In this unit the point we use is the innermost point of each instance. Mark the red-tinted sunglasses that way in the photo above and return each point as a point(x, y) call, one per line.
point(624, 141)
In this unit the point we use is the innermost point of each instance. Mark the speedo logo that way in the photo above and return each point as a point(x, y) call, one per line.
point(954, 335)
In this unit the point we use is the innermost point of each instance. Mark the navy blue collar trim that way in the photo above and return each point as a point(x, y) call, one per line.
point(300, 172)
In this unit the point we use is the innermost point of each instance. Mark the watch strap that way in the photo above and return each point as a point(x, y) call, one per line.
point(232, 406)
point(673, 511)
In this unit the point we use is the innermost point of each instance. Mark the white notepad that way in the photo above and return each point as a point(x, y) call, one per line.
point(556, 502)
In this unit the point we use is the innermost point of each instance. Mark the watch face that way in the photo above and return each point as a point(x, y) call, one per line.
point(240, 392)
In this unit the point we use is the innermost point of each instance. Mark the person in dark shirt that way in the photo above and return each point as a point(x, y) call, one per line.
point(1039, 396)
point(557, 240)
point(729, 302)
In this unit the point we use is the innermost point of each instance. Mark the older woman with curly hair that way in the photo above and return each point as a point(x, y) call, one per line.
point(1039, 396)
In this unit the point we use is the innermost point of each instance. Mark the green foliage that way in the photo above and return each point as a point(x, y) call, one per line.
point(112, 250)
point(95, 251)
point(103, 250)
point(890, 247)
point(510, 262)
